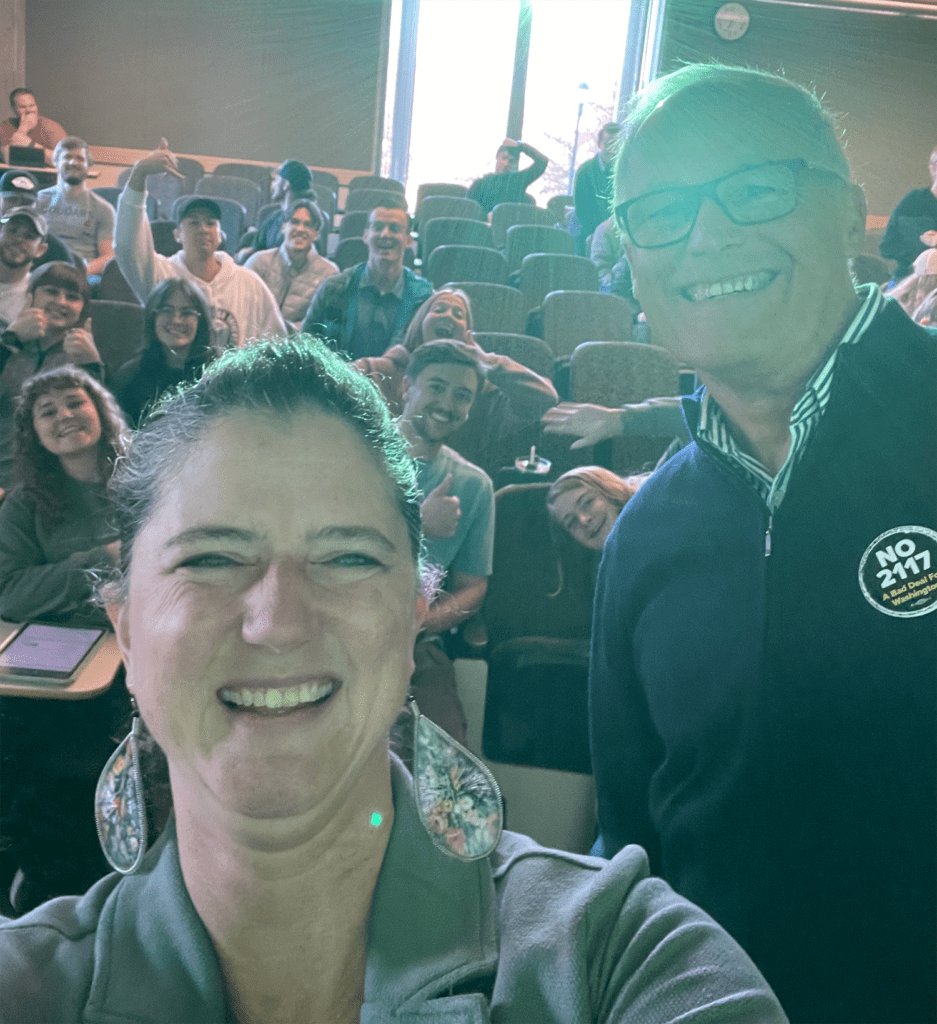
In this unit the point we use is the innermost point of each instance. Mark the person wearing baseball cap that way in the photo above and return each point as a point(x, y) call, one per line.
point(22, 234)
point(293, 181)
point(18, 189)
point(243, 307)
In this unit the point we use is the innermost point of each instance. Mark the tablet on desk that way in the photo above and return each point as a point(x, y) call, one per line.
point(46, 654)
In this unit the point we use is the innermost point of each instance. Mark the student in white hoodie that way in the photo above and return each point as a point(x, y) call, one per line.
point(242, 305)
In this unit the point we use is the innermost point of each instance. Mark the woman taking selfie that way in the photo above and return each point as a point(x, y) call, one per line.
point(266, 607)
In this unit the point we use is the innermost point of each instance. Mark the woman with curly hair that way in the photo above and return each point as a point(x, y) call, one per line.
point(67, 435)
point(178, 342)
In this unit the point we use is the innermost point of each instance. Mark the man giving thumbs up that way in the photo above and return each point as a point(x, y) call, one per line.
point(441, 382)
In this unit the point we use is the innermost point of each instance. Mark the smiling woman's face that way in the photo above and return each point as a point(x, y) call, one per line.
point(271, 613)
point(66, 421)
point(447, 318)
point(586, 515)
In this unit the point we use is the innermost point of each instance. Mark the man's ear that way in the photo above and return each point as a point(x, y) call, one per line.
point(175, 234)
point(40, 250)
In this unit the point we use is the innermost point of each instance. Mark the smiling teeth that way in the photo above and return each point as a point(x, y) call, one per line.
point(275, 700)
point(748, 283)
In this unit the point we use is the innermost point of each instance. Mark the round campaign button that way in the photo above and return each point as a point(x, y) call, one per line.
point(898, 572)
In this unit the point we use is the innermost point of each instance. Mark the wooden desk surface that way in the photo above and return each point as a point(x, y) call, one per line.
point(94, 676)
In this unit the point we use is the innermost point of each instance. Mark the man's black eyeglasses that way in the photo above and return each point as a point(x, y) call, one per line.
point(752, 195)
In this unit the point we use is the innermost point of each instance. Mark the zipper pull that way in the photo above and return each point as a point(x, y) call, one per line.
point(768, 535)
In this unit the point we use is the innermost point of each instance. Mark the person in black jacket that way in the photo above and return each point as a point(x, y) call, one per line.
point(508, 184)
point(178, 344)
point(912, 226)
point(762, 683)
point(592, 189)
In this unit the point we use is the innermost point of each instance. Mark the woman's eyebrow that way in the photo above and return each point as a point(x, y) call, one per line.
point(351, 534)
point(328, 533)
point(197, 533)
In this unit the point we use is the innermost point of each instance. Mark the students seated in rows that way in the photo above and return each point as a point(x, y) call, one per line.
point(52, 330)
point(19, 190)
point(294, 271)
point(361, 309)
point(28, 128)
point(242, 306)
point(178, 343)
point(510, 402)
point(82, 219)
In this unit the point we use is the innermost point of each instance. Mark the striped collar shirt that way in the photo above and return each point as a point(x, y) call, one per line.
point(713, 428)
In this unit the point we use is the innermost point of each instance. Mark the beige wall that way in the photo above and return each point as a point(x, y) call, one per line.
point(879, 71)
point(235, 78)
point(12, 48)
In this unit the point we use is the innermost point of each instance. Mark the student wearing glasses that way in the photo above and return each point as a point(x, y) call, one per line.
point(762, 675)
point(178, 343)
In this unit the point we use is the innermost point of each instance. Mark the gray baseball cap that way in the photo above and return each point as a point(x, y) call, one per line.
point(36, 219)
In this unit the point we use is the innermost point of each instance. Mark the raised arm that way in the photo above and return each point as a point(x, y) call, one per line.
point(539, 165)
point(529, 394)
point(592, 424)
point(138, 260)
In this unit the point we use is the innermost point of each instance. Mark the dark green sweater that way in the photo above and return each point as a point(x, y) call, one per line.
point(43, 565)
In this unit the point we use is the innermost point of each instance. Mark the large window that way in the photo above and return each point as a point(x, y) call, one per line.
point(464, 67)
point(465, 63)
point(576, 55)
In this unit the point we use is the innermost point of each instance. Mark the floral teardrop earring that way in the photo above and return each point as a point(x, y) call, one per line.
point(457, 797)
point(119, 805)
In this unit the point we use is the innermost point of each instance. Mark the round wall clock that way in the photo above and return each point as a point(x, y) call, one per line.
point(731, 21)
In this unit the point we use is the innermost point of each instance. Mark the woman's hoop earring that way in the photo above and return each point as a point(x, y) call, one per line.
point(119, 804)
point(457, 797)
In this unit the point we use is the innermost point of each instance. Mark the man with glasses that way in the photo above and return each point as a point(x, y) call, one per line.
point(763, 660)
